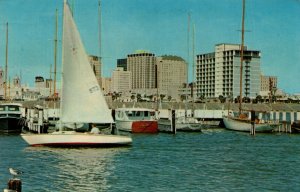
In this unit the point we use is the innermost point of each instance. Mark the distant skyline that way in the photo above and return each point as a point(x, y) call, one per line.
point(158, 26)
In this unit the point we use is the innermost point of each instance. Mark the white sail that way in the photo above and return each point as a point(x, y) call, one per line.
point(82, 100)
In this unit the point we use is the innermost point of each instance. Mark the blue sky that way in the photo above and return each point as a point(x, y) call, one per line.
point(159, 26)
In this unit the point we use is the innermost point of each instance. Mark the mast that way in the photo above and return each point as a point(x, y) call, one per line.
point(99, 29)
point(193, 55)
point(50, 90)
point(99, 41)
point(188, 49)
point(55, 54)
point(6, 63)
point(242, 58)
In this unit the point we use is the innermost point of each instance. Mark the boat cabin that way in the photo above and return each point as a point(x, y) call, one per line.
point(135, 114)
point(10, 109)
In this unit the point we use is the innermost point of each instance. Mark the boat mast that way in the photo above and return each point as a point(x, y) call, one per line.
point(99, 30)
point(242, 58)
point(50, 86)
point(6, 63)
point(55, 54)
point(193, 81)
point(188, 50)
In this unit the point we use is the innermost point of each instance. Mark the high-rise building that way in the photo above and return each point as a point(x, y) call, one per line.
point(268, 83)
point(142, 66)
point(171, 74)
point(121, 80)
point(40, 82)
point(122, 63)
point(106, 85)
point(218, 73)
point(96, 65)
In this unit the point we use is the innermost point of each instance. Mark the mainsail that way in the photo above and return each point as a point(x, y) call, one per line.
point(82, 100)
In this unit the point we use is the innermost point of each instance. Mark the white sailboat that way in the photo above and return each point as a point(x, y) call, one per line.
point(242, 122)
point(82, 100)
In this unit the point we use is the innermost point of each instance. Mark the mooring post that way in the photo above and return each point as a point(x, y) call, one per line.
point(173, 123)
point(252, 130)
point(14, 185)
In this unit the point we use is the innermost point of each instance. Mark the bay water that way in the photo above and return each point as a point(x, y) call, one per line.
point(215, 160)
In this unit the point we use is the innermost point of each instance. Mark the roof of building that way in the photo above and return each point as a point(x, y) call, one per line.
point(172, 57)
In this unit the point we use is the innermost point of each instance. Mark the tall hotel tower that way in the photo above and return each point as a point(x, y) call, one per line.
point(218, 73)
point(142, 66)
point(171, 74)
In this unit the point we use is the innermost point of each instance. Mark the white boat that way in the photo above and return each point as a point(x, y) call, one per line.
point(184, 124)
point(136, 120)
point(82, 100)
point(11, 121)
point(240, 124)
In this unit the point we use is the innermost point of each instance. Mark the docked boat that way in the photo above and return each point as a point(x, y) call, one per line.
point(241, 122)
point(11, 120)
point(136, 120)
point(183, 124)
point(244, 124)
point(295, 127)
point(82, 100)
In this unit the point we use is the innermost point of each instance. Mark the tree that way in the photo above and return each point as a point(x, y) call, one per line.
point(132, 97)
point(222, 98)
point(139, 97)
point(259, 98)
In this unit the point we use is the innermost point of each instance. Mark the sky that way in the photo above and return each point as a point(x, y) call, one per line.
point(158, 26)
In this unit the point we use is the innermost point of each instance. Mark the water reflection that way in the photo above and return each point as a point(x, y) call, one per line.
point(59, 169)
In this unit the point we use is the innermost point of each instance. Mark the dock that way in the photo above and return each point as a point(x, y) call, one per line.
point(39, 114)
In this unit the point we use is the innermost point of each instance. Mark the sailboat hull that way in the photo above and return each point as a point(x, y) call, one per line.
point(74, 139)
point(245, 126)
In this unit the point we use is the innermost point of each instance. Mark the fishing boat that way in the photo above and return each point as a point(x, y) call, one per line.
point(242, 122)
point(136, 120)
point(11, 120)
point(82, 100)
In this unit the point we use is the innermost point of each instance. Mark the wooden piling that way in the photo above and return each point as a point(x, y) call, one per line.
point(15, 185)
point(252, 130)
point(173, 123)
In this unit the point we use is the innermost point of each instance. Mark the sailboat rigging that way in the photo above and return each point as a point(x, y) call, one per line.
point(242, 123)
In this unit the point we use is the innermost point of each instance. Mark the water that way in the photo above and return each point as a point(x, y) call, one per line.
point(216, 160)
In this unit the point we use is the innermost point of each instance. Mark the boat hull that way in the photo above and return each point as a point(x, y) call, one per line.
point(74, 139)
point(165, 126)
point(150, 126)
point(240, 125)
point(11, 125)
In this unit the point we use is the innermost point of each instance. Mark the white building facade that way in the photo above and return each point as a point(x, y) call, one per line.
point(121, 80)
point(218, 73)
point(171, 75)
